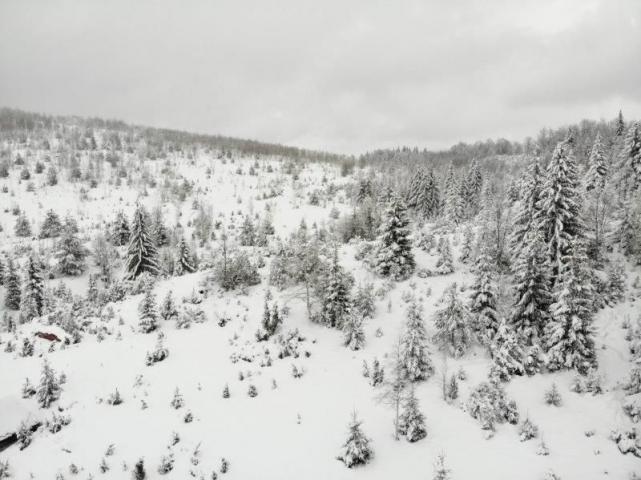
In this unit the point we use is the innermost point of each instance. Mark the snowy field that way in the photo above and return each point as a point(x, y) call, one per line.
point(292, 428)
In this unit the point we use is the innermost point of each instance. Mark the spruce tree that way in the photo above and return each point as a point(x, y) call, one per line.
point(168, 310)
point(506, 353)
point(247, 232)
point(51, 226)
point(120, 231)
point(141, 253)
point(148, 316)
point(484, 297)
point(32, 298)
point(453, 332)
point(423, 195)
point(569, 334)
point(353, 332)
point(22, 227)
point(334, 294)
point(49, 388)
point(184, 261)
point(559, 212)
point(597, 168)
point(412, 421)
point(12, 287)
point(70, 253)
point(2, 272)
point(527, 214)
point(619, 128)
point(415, 356)
point(532, 296)
point(356, 450)
point(632, 157)
point(445, 262)
point(393, 256)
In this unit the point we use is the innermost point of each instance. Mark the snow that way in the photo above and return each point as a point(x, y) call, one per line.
point(262, 437)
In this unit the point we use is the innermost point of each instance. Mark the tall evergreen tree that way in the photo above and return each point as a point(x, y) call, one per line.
point(412, 421)
point(51, 226)
point(569, 334)
point(632, 157)
point(120, 230)
point(453, 332)
point(184, 262)
point(394, 256)
point(12, 286)
point(32, 298)
point(528, 209)
point(142, 255)
point(484, 297)
point(559, 207)
point(597, 168)
point(423, 194)
point(70, 253)
point(507, 354)
point(49, 388)
point(158, 229)
point(415, 355)
point(532, 295)
point(22, 227)
point(619, 128)
point(333, 292)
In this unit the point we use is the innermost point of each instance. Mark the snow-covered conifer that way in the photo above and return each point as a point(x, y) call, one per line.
point(452, 322)
point(412, 421)
point(147, 312)
point(356, 450)
point(141, 253)
point(393, 254)
point(415, 355)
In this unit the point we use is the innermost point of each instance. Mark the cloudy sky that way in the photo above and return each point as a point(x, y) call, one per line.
point(340, 75)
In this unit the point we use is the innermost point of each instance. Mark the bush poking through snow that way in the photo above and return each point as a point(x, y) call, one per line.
point(177, 401)
point(166, 464)
point(553, 397)
point(441, 472)
point(159, 353)
point(24, 435)
point(139, 472)
point(356, 450)
point(489, 405)
point(528, 430)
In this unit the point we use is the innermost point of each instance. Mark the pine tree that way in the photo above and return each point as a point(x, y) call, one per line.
point(444, 263)
point(619, 128)
point(569, 334)
point(334, 294)
point(70, 253)
point(415, 355)
point(158, 230)
point(2, 272)
point(49, 388)
point(51, 226)
point(597, 168)
point(247, 232)
point(394, 255)
point(453, 331)
point(168, 310)
point(12, 287)
point(148, 317)
point(454, 202)
point(184, 261)
point(141, 253)
point(32, 298)
point(559, 211)
point(52, 176)
point(527, 215)
point(532, 296)
point(412, 421)
point(356, 450)
point(22, 227)
point(473, 187)
point(484, 297)
point(423, 194)
point(120, 231)
point(139, 472)
point(354, 334)
point(506, 353)
point(632, 157)
point(468, 242)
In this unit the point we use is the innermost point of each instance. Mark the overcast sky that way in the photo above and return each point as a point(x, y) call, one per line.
point(339, 75)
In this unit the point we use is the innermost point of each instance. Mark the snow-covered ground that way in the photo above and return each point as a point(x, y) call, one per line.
point(294, 427)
